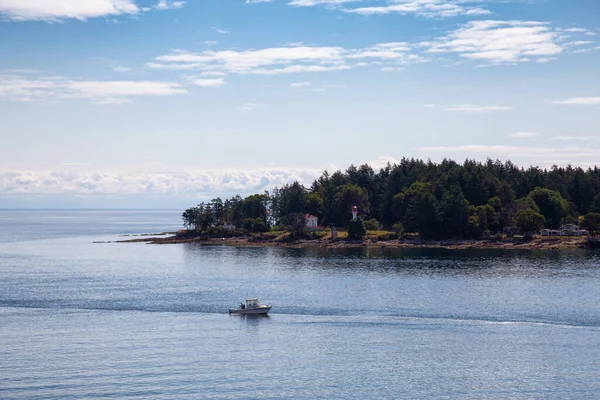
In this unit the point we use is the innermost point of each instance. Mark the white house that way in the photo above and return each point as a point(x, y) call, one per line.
point(565, 230)
point(312, 222)
point(572, 230)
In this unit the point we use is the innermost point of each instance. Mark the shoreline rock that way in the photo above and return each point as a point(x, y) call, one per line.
point(534, 244)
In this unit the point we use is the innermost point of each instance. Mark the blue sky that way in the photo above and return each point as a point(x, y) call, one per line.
point(148, 103)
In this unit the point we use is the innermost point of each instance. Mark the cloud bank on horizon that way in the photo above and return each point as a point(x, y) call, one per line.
point(301, 83)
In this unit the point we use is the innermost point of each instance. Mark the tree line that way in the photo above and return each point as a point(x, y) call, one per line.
point(436, 200)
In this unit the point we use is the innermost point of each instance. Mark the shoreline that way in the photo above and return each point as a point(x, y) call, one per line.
point(551, 243)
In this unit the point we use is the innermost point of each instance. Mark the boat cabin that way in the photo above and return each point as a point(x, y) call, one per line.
point(252, 303)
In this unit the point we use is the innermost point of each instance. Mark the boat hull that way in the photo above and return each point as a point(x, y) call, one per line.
point(250, 311)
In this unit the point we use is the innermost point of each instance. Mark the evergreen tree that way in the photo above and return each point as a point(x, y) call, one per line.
point(356, 229)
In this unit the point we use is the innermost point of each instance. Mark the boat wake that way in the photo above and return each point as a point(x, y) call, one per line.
point(305, 316)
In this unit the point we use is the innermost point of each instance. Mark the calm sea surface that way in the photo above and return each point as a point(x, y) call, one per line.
point(84, 320)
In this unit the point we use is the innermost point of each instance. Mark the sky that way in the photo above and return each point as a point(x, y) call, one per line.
point(164, 103)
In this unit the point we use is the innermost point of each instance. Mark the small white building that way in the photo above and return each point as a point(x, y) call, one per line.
point(572, 230)
point(312, 222)
point(550, 232)
point(565, 230)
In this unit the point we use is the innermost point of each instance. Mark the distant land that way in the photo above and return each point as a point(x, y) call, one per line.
point(495, 203)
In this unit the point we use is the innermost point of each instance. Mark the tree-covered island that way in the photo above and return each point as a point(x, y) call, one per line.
point(413, 200)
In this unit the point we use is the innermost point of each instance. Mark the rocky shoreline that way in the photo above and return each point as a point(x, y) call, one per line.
point(538, 243)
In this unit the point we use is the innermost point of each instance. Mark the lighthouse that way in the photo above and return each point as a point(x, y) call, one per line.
point(354, 213)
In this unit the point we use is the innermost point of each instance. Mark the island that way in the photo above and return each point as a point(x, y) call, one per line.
point(411, 203)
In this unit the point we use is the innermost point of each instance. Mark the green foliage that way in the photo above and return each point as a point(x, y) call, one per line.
point(263, 236)
point(190, 218)
point(198, 218)
point(276, 228)
point(296, 224)
point(388, 236)
point(318, 234)
point(595, 206)
point(371, 224)
point(591, 222)
point(527, 203)
point(495, 203)
point(315, 204)
point(488, 219)
point(408, 204)
point(356, 229)
point(529, 221)
point(552, 205)
point(254, 206)
point(422, 217)
point(259, 225)
point(474, 227)
point(248, 224)
point(292, 199)
point(399, 230)
point(452, 214)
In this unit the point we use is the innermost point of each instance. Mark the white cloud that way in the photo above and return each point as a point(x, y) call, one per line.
point(486, 42)
point(79, 178)
point(499, 42)
point(577, 43)
point(578, 30)
point(522, 135)
point(285, 60)
point(120, 68)
point(29, 89)
point(111, 101)
point(216, 82)
point(182, 184)
point(586, 50)
point(392, 69)
point(168, 5)
point(220, 31)
point(250, 106)
point(107, 89)
point(425, 8)
point(300, 84)
point(58, 10)
point(582, 101)
point(25, 89)
point(21, 10)
point(213, 73)
point(573, 138)
point(309, 3)
point(476, 109)
point(185, 184)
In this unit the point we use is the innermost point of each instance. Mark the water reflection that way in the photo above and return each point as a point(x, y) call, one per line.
point(252, 323)
point(410, 262)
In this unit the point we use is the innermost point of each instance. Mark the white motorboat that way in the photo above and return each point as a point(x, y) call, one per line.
point(252, 307)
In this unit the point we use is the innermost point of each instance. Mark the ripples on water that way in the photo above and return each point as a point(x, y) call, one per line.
point(80, 320)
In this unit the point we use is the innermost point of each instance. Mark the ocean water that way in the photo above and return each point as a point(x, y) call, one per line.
point(85, 320)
